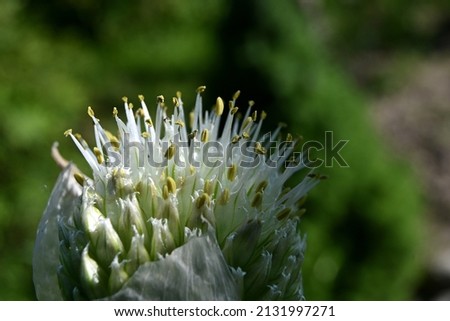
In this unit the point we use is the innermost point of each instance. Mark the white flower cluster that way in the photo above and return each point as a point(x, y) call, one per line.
point(179, 214)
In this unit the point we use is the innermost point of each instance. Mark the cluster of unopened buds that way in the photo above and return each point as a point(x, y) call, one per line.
point(176, 214)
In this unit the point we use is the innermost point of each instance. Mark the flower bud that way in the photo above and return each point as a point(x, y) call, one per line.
point(118, 275)
point(137, 255)
point(105, 243)
point(162, 240)
point(240, 246)
point(92, 277)
point(131, 216)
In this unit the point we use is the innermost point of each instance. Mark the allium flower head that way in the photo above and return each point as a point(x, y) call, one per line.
point(183, 206)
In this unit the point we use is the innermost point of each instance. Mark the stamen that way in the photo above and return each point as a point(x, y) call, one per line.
point(91, 112)
point(259, 149)
point(224, 197)
point(180, 123)
point(235, 139)
point(79, 178)
point(160, 99)
point(232, 172)
point(201, 89)
point(254, 115)
point(170, 152)
point(246, 122)
point(204, 136)
point(257, 200)
point(171, 185)
point(98, 153)
point(219, 106)
point(202, 200)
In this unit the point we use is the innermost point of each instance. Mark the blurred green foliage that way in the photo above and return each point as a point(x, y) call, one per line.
point(363, 224)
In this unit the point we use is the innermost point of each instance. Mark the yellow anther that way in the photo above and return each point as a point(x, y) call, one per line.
point(259, 149)
point(175, 101)
point(141, 97)
point(234, 110)
point(178, 95)
point(160, 99)
point(140, 112)
point(225, 196)
point(257, 200)
point(208, 186)
point(130, 106)
point(219, 106)
point(115, 112)
point(68, 132)
point(236, 95)
point(81, 140)
point(247, 122)
point(170, 152)
point(261, 186)
point(263, 115)
point(289, 137)
point(79, 178)
point(204, 135)
point(165, 192)
point(245, 135)
point(235, 139)
point(180, 123)
point(202, 200)
point(145, 134)
point(232, 172)
point(98, 153)
point(171, 185)
point(125, 99)
point(112, 139)
point(191, 119)
point(149, 122)
point(251, 103)
point(90, 112)
point(201, 89)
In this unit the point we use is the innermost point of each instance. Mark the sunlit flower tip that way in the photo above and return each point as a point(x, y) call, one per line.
point(159, 183)
point(137, 254)
point(92, 277)
point(118, 275)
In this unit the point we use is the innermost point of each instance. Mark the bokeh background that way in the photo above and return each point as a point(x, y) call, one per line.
point(376, 73)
